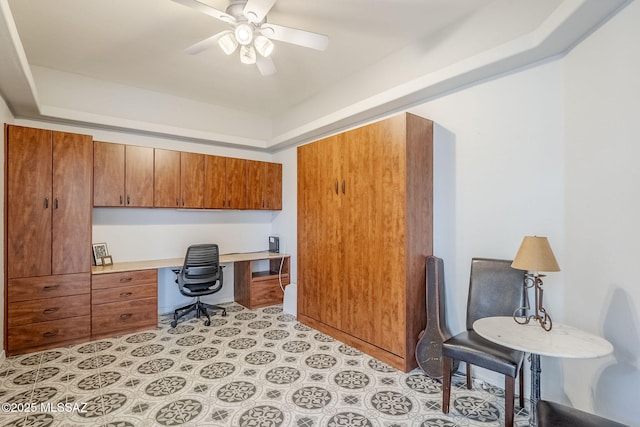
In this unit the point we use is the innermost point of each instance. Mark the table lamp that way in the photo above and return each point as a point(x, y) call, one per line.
point(534, 255)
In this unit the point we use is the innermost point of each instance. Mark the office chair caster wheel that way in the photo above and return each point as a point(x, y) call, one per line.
point(174, 323)
point(224, 313)
point(207, 323)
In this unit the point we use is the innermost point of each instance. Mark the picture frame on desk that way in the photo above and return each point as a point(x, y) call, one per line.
point(107, 260)
point(99, 251)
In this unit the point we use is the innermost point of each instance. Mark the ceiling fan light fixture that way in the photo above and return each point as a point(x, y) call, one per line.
point(228, 43)
point(243, 33)
point(263, 45)
point(247, 55)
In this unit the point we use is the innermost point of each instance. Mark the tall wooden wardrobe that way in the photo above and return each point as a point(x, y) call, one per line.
point(364, 230)
point(47, 238)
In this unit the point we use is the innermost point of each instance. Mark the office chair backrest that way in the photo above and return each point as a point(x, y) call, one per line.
point(201, 264)
point(495, 289)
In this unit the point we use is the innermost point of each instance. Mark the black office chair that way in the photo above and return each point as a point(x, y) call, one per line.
point(201, 274)
point(495, 289)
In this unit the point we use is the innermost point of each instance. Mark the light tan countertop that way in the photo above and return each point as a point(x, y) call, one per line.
point(118, 267)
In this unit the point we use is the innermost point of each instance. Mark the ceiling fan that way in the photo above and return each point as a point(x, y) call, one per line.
point(251, 32)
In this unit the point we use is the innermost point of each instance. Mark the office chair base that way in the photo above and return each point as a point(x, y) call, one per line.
point(201, 310)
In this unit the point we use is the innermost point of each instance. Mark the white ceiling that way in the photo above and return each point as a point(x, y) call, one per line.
point(121, 63)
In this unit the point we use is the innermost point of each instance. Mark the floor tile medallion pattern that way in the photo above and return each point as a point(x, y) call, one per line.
point(251, 368)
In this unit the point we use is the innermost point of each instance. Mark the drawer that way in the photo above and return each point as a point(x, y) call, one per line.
point(114, 280)
point(44, 333)
point(266, 292)
point(122, 316)
point(29, 288)
point(124, 293)
point(44, 310)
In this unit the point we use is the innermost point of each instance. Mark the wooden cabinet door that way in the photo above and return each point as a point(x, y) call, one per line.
point(192, 180)
point(166, 179)
point(215, 182)
point(236, 183)
point(28, 186)
point(273, 186)
point(375, 217)
point(71, 222)
point(139, 176)
point(321, 267)
point(255, 184)
point(108, 174)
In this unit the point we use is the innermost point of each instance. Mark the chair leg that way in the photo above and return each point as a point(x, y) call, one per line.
point(509, 389)
point(469, 379)
point(446, 383)
point(521, 396)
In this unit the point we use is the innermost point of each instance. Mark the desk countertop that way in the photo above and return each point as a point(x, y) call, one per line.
point(118, 267)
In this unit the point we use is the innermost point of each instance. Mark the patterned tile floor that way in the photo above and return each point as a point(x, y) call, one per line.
point(251, 368)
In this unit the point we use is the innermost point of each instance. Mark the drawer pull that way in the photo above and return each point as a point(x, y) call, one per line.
point(50, 334)
point(50, 310)
point(51, 287)
point(126, 279)
point(125, 294)
point(125, 316)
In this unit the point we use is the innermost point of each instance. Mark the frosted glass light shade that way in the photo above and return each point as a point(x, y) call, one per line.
point(244, 34)
point(263, 45)
point(228, 43)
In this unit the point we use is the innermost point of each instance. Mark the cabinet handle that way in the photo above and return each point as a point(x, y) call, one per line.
point(336, 186)
point(128, 200)
point(126, 279)
point(343, 186)
point(55, 203)
point(183, 201)
point(125, 316)
point(51, 287)
point(46, 203)
point(177, 201)
point(50, 334)
point(121, 199)
point(50, 310)
point(125, 294)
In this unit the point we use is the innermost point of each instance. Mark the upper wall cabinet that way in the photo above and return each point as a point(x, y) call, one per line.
point(191, 180)
point(123, 175)
point(264, 185)
point(166, 179)
point(225, 183)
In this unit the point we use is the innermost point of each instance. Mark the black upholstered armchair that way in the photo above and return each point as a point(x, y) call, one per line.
point(495, 289)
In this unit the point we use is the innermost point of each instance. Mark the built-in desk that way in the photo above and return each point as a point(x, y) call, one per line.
point(124, 295)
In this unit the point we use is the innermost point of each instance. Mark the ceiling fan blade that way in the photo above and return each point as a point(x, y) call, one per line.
point(256, 10)
point(265, 65)
point(206, 43)
point(295, 36)
point(207, 10)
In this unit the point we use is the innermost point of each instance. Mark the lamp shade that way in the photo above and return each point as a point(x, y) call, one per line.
point(535, 254)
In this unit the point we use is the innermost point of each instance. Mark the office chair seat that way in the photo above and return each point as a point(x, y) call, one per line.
point(200, 275)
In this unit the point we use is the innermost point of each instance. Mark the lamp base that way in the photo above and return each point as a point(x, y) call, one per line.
point(540, 315)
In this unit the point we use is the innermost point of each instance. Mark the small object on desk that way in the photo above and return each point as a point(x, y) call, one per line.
point(274, 244)
point(107, 260)
point(99, 251)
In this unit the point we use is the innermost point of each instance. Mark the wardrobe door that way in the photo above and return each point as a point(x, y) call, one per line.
point(28, 177)
point(72, 171)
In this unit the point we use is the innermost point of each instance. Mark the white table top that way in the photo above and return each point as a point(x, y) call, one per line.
point(561, 341)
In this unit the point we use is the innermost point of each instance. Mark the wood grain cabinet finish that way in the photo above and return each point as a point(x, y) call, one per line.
point(364, 230)
point(48, 236)
point(256, 286)
point(123, 302)
point(225, 183)
point(191, 180)
point(123, 175)
point(264, 185)
point(166, 179)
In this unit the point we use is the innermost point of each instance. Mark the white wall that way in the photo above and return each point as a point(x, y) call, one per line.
point(602, 294)
point(5, 117)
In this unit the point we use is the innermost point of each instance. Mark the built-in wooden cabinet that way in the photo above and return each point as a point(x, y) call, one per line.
point(225, 183)
point(48, 235)
point(124, 302)
point(166, 179)
point(191, 180)
point(123, 175)
point(257, 282)
point(364, 230)
point(264, 190)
